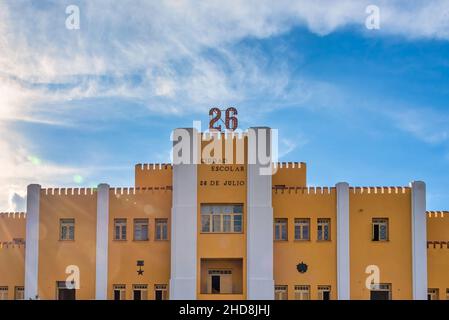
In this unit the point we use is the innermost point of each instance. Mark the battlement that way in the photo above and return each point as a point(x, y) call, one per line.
point(68, 191)
point(153, 175)
point(154, 166)
point(290, 174)
point(132, 191)
point(279, 189)
point(379, 190)
point(437, 244)
point(437, 214)
point(227, 135)
point(289, 165)
point(13, 215)
point(15, 243)
point(15, 229)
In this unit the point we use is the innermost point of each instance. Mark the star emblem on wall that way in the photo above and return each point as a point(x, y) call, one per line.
point(140, 264)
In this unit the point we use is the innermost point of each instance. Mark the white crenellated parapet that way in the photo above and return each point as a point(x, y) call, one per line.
point(419, 240)
point(101, 260)
point(343, 262)
point(260, 278)
point(184, 215)
point(32, 241)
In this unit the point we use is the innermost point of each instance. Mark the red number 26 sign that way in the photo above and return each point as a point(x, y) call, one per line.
point(231, 122)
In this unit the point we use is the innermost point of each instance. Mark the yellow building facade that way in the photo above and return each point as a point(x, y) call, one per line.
point(220, 223)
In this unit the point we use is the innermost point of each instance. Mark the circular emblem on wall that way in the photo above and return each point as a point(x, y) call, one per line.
point(301, 267)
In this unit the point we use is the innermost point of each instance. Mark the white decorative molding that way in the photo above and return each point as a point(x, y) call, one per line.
point(32, 242)
point(343, 262)
point(259, 233)
point(101, 263)
point(184, 218)
point(419, 240)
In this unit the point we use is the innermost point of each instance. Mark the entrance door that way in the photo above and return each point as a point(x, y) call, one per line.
point(66, 294)
point(215, 281)
point(219, 281)
point(380, 295)
point(137, 295)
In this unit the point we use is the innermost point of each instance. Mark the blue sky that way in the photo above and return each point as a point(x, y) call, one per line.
point(80, 107)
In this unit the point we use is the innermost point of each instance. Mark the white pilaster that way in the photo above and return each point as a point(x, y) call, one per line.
point(260, 279)
point(101, 263)
point(419, 240)
point(343, 262)
point(32, 241)
point(184, 215)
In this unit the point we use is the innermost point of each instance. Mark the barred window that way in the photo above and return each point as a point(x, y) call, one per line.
point(220, 218)
point(119, 229)
point(3, 293)
point(280, 229)
point(140, 292)
point(302, 229)
point(19, 293)
point(433, 294)
point(67, 229)
point(221, 271)
point(280, 292)
point(324, 292)
point(119, 291)
point(302, 292)
point(141, 229)
point(18, 241)
point(323, 229)
point(381, 291)
point(380, 229)
point(160, 292)
point(161, 229)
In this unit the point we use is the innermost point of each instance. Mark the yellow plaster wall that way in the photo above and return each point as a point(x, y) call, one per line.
point(12, 256)
point(393, 257)
point(290, 174)
point(55, 255)
point(221, 184)
point(320, 256)
point(438, 252)
point(123, 255)
point(153, 175)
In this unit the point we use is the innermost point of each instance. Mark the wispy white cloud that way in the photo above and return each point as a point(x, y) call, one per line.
point(288, 145)
point(424, 123)
point(167, 40)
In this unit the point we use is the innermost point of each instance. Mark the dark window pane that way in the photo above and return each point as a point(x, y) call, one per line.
point(376, 233)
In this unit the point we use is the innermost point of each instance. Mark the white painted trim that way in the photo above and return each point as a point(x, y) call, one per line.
point(419, 240)
point(259, 233)
point(32, 241)
point(343, 254)
point(102, 236)
point(183, 276)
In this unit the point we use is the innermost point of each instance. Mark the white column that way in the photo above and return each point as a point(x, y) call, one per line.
point(32, 241)
point(343, 262)
point(419, 240)
point(101, 264)
point(259, 233)
point(184, 215)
